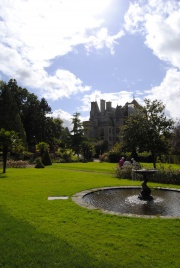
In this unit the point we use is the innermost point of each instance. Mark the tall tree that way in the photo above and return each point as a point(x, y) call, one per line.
point(77, 133)
point(54, 130)
point(19, 94)
point(87, 149)
point(44, 109)
point(9, 113)
point(147, 129)
point(22, 112)
point(30, 119)
point(176, 139)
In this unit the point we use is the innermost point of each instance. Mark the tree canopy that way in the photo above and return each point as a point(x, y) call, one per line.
point(147, 129)
point(77, 133)
point(22, 112)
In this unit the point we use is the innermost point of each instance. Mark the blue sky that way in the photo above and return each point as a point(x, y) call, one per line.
point(75, 52)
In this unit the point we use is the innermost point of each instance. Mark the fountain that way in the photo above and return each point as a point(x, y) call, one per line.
point(128, 201)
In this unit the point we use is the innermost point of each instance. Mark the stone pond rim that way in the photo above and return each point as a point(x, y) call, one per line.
point(78, 198)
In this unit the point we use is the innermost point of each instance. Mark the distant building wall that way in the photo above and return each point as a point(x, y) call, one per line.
point(104, 123)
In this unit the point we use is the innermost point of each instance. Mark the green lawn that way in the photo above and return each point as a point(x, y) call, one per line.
point(36, 232)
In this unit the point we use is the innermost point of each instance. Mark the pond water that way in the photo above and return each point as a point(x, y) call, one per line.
point(125, 201)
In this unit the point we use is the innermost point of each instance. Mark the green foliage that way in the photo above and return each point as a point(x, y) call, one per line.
point(166, 175)
point(39, 164)
point(41, 147)
point(9, 111)
point(9, 142)
point(28, 156)
point(22, 112)
point(145, 157)
point(101, 146)
point(87, 149)
point(147, 130)
point(46, 160)
point(77, 134)
point(173, 159)
point(66, 156)
point(114, 156)
point(176, 139)
point(126, 171)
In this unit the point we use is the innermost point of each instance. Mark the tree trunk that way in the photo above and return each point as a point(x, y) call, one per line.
point(5, 153)
point(154, 160)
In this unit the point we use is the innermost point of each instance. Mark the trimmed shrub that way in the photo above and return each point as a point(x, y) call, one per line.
point(46, 160)
point(39, 164)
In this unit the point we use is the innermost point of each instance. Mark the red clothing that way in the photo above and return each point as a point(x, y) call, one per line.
point(121, 162)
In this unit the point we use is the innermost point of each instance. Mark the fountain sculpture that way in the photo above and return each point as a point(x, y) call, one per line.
point(145, 193)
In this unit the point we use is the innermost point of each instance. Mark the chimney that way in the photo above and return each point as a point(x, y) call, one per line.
point(102, 106)
point(108, 105)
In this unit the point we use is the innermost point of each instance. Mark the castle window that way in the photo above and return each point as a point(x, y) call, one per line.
point(102, 132)
point(109, 130)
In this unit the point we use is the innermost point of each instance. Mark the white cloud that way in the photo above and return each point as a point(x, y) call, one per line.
point(67, 118)
point(62, 84)
point(33, 33)
point(169, 93)
point(103, 39)
point(64, 116)
point(159, 22)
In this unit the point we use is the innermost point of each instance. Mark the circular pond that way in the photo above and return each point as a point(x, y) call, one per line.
point(124, 200)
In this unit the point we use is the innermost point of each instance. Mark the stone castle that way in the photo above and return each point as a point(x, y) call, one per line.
point(104, 123)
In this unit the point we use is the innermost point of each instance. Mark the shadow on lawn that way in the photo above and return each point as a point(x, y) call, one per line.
point(21, 245)
point(3, 175)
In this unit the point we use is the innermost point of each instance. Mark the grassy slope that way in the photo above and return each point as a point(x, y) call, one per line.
point(36, 232)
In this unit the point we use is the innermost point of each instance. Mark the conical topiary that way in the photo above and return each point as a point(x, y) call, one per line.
point(39, 164)
point(46, 160)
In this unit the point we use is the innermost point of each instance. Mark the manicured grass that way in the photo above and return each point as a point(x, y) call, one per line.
point(90, 166)
point(36, 232)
